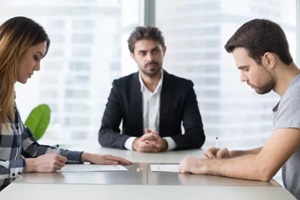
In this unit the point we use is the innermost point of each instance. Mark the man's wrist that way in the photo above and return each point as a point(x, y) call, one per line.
point(135, 144)
point(129, 143)
point(165, 145)
point(171, 143)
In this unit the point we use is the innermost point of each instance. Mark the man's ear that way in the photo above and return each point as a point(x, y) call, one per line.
point(132, 55)
point(164, 49)
point(269, 60)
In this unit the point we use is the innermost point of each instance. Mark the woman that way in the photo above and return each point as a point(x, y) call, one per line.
point(23, 43)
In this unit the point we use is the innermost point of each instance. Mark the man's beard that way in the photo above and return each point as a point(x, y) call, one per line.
point(267, 87)
point(154, 71)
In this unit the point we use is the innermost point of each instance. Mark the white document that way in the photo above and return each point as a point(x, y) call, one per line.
point(92, 168)
point(165, 168)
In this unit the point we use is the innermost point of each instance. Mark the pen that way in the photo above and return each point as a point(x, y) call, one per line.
point(57, 149)
point(217, 146)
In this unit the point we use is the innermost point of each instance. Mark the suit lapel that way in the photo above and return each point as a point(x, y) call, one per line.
point(165, 101)
point(137, 105)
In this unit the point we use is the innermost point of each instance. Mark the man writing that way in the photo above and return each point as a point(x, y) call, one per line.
point(261, 52)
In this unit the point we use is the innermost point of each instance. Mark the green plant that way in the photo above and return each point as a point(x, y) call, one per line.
point(38, 120)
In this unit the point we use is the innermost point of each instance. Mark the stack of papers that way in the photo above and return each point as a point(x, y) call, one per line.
point(165, 168)
point(92, 168)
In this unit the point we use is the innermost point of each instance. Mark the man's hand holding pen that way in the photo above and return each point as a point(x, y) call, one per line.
point(214, 152)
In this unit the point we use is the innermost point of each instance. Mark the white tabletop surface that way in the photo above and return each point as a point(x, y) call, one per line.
point(140, 192)
point(158, 186)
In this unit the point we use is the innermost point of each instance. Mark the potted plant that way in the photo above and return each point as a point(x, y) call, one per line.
point(38, 120)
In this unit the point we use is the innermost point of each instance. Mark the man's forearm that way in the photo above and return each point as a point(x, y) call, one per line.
point(243, 167)
point(236, 153)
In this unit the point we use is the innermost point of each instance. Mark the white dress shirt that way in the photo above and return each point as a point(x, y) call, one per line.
point(151, 110)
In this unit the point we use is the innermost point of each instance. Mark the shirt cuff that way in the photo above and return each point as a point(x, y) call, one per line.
point(129, 142)
point(171, 143)
point(17, 167)
point(16, 172)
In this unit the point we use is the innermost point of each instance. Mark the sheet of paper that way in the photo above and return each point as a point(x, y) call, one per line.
point(92, 168)
point(165, 168)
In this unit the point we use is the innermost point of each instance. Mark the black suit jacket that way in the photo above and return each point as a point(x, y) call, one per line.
point(178, 105)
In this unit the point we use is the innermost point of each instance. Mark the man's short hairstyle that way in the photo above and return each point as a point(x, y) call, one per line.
point(145, 33)
point(259, 36)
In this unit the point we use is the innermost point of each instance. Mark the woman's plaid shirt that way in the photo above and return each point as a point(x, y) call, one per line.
point(18, 143)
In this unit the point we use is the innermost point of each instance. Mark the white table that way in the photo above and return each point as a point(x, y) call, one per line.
point(137, 185)
point(140, 192)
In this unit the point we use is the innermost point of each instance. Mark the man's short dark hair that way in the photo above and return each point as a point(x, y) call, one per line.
point(259, 36)
point(145, 33)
